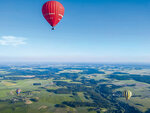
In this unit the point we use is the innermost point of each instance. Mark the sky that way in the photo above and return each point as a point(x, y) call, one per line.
point(90, 31)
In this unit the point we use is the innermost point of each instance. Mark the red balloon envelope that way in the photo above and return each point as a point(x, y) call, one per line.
point(53, 12)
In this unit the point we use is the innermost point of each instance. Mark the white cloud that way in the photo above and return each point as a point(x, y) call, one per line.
point(12, 41)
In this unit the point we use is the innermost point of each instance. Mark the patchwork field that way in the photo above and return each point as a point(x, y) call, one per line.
point(75, 89)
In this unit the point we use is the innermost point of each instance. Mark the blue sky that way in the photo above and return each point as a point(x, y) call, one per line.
point(91, 31)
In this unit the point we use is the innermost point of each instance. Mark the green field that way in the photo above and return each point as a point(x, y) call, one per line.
point(73, 89)
point(46, 100)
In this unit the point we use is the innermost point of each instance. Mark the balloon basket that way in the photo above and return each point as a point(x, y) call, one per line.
point(53, 28)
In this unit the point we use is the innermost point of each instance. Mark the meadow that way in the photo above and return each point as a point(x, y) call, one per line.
point(75, 89)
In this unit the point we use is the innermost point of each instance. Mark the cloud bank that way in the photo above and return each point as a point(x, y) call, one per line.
point(12, 41)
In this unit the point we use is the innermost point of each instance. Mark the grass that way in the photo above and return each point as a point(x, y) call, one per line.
point(84, 110)
point(82, 98)
point(44, 98)
point(4, 72)
point(69, 81)
point(141, 104)
point(70, 71)
point(8, 83)
point(142, 89)
point(8, 88)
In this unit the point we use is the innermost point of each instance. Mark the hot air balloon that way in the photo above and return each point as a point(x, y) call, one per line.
point(127, 94)
point(53, 12)
point(18, 91)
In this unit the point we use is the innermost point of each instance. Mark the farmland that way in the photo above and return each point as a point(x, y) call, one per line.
point(94, 88)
